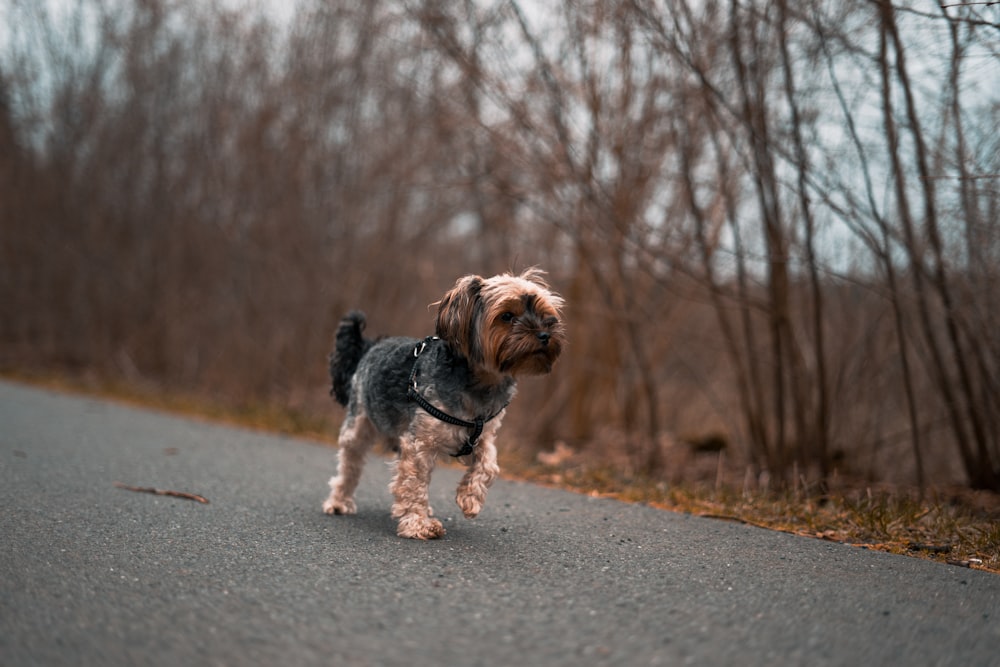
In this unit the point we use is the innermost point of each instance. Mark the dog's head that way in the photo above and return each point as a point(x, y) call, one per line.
point(505, 325)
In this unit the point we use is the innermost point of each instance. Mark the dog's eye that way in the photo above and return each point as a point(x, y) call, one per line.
point(507, 317)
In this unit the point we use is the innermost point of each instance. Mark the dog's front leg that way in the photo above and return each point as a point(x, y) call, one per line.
point(409, 488)
point(471, 494)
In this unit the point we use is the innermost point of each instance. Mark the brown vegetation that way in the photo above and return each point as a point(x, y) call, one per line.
point(775, 224)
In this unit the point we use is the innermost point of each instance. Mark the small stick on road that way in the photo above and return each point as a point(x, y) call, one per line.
point(163, 492)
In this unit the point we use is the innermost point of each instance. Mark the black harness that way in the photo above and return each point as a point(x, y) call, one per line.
point(476, 425)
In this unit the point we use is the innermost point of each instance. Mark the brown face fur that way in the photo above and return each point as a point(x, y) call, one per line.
point(506, 325)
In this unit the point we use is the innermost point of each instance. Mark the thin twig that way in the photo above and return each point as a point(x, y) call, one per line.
point(929, 548)
point(969, 4)
point(163, 492)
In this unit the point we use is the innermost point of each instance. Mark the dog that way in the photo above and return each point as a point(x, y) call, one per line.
point(445, 394)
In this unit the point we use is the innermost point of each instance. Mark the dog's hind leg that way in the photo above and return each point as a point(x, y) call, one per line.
point(357, 434)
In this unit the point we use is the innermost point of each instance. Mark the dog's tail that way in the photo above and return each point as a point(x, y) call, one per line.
point(351, 345)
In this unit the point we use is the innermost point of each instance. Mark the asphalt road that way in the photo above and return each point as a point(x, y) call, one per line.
point(92, 574)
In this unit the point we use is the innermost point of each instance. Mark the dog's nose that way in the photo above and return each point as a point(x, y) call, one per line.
point(544, 336)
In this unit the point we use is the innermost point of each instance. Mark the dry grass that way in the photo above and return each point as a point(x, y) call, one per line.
point(301, 422)
point(953, 526)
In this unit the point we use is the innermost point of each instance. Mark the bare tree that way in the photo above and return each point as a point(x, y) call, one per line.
point(773, 220)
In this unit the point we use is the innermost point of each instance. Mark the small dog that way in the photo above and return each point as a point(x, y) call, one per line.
point(444, 394)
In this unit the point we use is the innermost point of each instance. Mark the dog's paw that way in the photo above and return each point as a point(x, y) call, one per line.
point(470, 505)
point(339, 506)
point(419, 528)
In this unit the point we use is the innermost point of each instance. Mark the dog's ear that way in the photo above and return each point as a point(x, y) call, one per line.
point(457, 317)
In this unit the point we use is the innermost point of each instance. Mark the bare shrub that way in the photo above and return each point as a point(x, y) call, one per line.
point(766, 230)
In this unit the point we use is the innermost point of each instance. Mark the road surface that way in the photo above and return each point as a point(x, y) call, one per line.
point(92, 574)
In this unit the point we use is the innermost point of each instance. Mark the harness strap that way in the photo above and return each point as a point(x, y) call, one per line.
point(414, 394)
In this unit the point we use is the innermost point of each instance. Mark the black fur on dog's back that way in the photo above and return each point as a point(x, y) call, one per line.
point(350, 346)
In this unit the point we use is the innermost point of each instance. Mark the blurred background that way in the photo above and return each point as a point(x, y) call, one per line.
point(776, 223)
